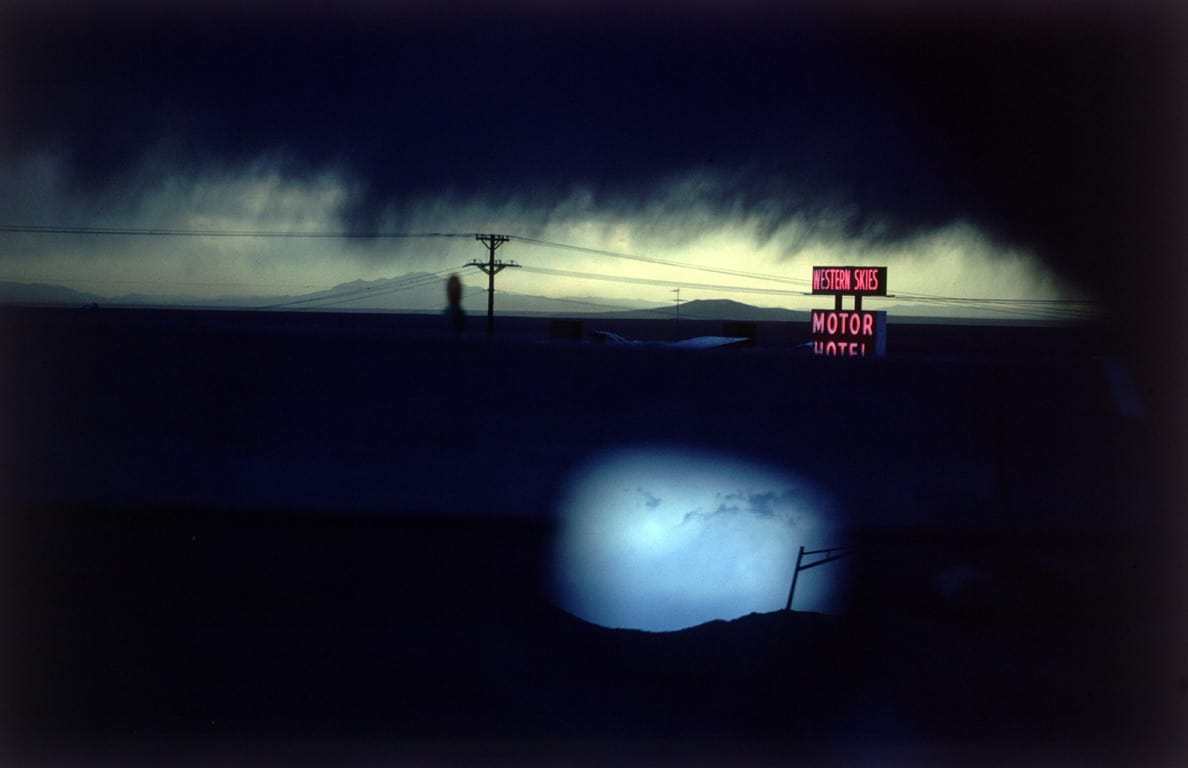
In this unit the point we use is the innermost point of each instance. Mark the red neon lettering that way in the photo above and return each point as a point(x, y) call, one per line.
point(846, 279)
point(867, 279)
point(843, 323)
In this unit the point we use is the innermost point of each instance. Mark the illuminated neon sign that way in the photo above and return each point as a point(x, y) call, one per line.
point(853, 333)
point(849, 333)
point(850, 281)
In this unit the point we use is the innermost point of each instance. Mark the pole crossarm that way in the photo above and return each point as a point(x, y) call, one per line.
point(486, 268)
point(825, 551)
point(826, 560)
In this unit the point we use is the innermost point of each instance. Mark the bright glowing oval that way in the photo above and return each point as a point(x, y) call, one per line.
point(660, 539)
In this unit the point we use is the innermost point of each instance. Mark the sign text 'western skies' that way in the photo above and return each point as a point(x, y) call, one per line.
point(850, 281)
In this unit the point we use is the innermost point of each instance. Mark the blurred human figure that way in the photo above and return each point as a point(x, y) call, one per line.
point(454, 312)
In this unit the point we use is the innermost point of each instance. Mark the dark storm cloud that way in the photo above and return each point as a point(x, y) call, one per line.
point(1048, 132)
point(418, 106)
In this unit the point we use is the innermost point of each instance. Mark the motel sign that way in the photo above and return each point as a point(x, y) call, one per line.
point(849, 333)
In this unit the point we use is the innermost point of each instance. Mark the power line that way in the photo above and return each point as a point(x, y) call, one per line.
point(426, 280)
point(665, 262)
point(661, 282)
point(1036, 312)
point(979, 300)
point(1039, 314)
point(104, 281)
point(1021, 311)
point(612, 308)
point(602, 305)
point(1017, 305)
point(781, 278)
point(412, 281)
point(169, 232)
point(1024, 307)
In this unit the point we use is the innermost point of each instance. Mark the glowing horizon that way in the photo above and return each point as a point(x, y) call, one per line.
point(678, 224)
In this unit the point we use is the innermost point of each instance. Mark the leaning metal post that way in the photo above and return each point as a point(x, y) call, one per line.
point(801, 566)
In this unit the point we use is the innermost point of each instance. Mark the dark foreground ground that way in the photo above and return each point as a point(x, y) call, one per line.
point(270, 538)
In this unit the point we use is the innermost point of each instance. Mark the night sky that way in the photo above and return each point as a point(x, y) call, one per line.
point(1051, 138)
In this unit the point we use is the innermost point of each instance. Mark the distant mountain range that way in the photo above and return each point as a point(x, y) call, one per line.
point(714, 309)
point(424, 292)
point(41, 293)
point(414, 292)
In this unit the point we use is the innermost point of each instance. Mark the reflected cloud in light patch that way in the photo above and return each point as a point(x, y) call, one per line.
point(663, 538)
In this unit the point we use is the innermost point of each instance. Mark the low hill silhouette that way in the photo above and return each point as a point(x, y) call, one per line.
point(43, 293)
point(715, 309)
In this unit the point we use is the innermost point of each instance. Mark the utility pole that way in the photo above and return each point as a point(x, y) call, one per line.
point(490, 267)
point(677, 291)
